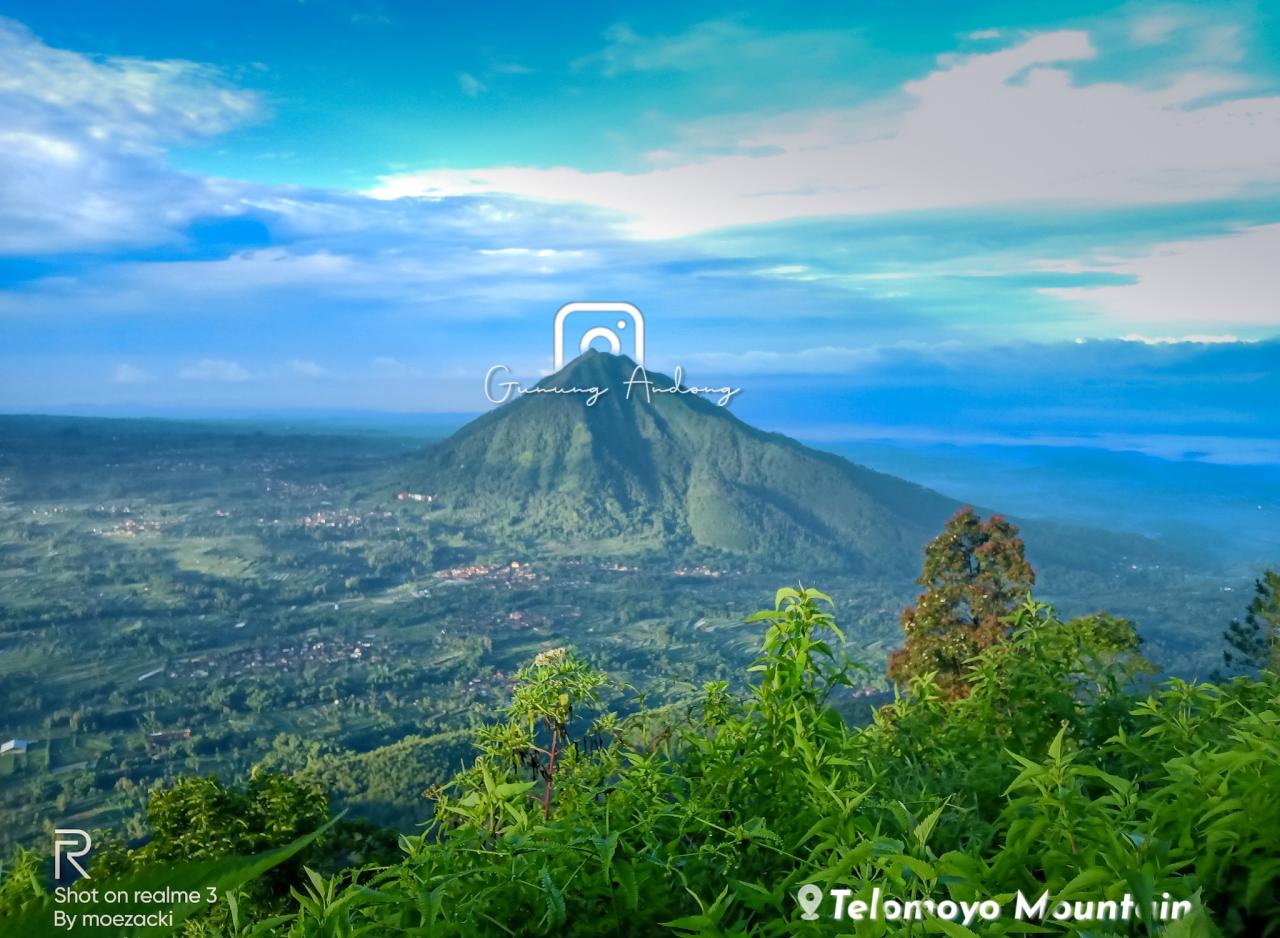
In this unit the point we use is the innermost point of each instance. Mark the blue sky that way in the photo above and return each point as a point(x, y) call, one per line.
point(1001, 220)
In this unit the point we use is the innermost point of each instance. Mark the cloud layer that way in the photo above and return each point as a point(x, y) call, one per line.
point(1012, 126)
point(1024, 188)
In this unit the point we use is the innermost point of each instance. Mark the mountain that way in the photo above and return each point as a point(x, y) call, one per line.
point(676, 474)
point(682, 477)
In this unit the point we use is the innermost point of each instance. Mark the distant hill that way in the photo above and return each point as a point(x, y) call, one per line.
point(677, 474)
point(1224, 513)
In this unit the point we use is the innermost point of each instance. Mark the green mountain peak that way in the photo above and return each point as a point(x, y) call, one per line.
point(674, 473)
point(590, 367)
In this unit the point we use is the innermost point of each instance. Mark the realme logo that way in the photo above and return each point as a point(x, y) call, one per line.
point(70, 843)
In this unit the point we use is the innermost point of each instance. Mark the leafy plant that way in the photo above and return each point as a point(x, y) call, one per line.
point(1059, 770)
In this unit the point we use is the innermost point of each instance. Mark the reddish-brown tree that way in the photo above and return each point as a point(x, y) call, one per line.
point(975, 574)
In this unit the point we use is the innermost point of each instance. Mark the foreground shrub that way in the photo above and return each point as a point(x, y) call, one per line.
point(706, 820)
point(1050, 773)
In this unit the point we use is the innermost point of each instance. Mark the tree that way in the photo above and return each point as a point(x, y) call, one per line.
point(975, 574)
point(542, 709)
point(1254, 644)
point(198, 818)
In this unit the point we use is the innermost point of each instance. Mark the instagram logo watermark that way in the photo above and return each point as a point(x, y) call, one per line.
point(630, 323)
point(625, 327)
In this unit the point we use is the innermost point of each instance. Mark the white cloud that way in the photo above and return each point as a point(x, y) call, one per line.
point(471, 86)
point(81, 152)
point(252, 271)
point(1155, 28)
point(208, 286)
point(387, 367)
point(1220, 44)
point(1007, 127)
point(1183, 340)
point(823, 359)
point(1233, 279)
point(529, 252)
point(307, 368)
point(544, 261)
point(214, 369)
point(957, 138)
point(818, 360)
point(716, 45)
point(132, 100)
point(130, 374)
point(386, 267)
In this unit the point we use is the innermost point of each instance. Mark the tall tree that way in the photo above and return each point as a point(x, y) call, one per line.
point(1254, 644)
point(975, 574)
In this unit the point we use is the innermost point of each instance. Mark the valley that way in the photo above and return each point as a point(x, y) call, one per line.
point(193, 598)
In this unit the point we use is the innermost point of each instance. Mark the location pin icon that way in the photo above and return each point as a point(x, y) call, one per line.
point(809, 897)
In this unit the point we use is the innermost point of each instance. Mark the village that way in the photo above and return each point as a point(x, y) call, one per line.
point(235, 663)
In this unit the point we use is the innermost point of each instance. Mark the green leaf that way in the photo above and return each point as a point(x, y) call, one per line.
point(509, 790)
point(925, 827)
point(690, 923)
point(555, 899)
point(1195, 924)
point(954, 929)
point(785, 593)
point(626, 876)
point(1055, 747)
point(919, 867)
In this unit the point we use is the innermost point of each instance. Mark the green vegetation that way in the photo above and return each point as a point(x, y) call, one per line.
point(271, 593)
point(975, 572)
point(1255, 642)
point(1052, 773)
point(212, 639)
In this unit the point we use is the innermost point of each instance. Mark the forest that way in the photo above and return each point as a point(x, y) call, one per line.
point(1032, 775)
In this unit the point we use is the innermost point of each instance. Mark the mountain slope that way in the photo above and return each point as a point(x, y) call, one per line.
point(678, 473)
